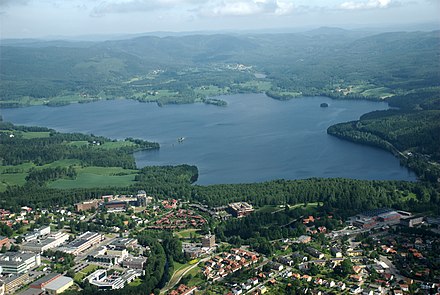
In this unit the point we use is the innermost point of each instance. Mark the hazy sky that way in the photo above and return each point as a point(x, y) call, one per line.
point(43, 18)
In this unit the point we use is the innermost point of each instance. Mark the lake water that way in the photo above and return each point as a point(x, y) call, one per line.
point(254, 138)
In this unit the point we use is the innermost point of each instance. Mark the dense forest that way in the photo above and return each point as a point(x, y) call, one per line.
point(411, 132)
point(346, 194)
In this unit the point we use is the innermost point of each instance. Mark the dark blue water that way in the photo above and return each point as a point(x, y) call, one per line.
point(254, 138)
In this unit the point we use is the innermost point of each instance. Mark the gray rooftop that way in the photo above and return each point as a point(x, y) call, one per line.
point(58, 283)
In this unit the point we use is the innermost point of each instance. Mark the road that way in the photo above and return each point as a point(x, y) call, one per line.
point(393, 269)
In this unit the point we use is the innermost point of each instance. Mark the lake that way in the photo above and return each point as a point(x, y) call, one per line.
point(255, 138)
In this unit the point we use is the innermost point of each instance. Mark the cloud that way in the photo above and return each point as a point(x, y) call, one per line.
point(200, 7)
point(246, 7)
point(370, 4)
point(125, 6)
point(4, 3)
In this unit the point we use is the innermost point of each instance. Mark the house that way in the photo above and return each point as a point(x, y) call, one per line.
point(262, 289)
point(304, 239)
point(355, 290)
point(308, 219)
point(336, 252)
point(275, 265)
point(315, 253)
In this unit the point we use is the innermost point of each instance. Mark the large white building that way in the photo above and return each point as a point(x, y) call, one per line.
point(37, 233)
point(82, 243)
point(103, 281)
point(18, 262)
point(53, 241)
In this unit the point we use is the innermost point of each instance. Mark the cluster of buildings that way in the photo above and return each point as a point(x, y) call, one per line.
point(115, 203)
point(379, 217)
point(178, 219)
point(15, 270)
point(10, 219)
point(240, 209)
point(116, 253)
point(195, 250)
point(228, 262)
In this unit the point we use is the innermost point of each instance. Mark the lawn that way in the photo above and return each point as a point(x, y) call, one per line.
point(30, 135)
point(135, 283)
point(195, 280)
point(90, 180)
point(211, 90)
point(178, 266)
point(116, 144)
point(309, 205)
point(185, 234)
point(268, 209)
point(10, 179)
point(79, 276)
point(258, 85)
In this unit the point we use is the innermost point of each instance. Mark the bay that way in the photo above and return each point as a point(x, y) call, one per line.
point(253, 139)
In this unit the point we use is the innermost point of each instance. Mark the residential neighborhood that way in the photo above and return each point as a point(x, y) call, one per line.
point(375, 252)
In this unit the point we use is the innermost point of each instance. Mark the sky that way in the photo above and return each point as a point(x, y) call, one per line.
point(50, 18)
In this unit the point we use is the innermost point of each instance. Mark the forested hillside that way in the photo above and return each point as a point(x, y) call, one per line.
point(411, 132)
point(187, 69)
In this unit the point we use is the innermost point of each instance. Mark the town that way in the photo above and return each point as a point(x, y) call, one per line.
point(95, 244)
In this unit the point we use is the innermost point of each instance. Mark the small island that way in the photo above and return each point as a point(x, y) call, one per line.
point(324, 105)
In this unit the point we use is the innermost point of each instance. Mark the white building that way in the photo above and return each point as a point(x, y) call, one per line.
point(82, 243)
point(18, 262)
point(53, 241)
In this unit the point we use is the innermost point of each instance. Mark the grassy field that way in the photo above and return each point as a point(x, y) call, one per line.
point(90, 177)
point(135, 283)
point(116, 144)
point(258, 85)
point(31, 135)
point(268, 209)
point(79, 276)
point(211, 90)
point(195, 280)
point(185, 234)
point(309, 205)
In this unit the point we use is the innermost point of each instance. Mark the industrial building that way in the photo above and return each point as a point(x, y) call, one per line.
point(42, 282)
point(53, 241)
point(37, 233)
point(134, 262)
point(18, 262)
point(123, 243)
point(52, 283)
point(12, 282)
point(412, 222)
point(82, 243)
point(58, 285)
